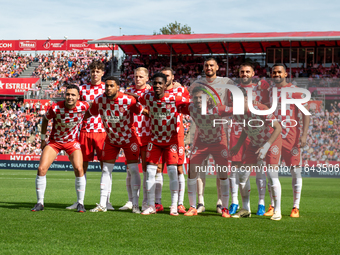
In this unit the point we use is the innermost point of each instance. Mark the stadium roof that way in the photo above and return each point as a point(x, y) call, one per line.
point(233, 43)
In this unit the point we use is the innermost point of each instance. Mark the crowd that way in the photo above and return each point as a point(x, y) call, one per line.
point(13, 64)
point(63, 68)
point(20, 122)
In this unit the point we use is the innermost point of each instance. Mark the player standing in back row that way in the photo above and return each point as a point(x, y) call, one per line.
point(142, 125)
point(92, 133)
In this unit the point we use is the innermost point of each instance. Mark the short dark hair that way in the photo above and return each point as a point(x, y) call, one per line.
point(247, 64)
point(97, 64)
point(72, 86)
point(279, 64)
point(210, 59)
point(112, 78)
point(161, 75)
point(167, 69)
point(198, 89)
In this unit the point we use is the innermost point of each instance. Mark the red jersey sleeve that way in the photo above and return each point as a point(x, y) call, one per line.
point(136, 107)
point(224, 111)
point(94, 110)
point(142, 100)
point(184, 109)
point(50, 114)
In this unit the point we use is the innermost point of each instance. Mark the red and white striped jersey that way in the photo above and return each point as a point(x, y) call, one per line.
point(88, 92)
point(117, 116)
point(291, 133)
point(259, 95)
point(260, 128)
point(66, 121)
point(141, 122)
point(164, 115)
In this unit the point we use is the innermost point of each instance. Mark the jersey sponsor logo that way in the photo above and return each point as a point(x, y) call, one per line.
point(224, 153)
point(173, 148)
point(134, 147)
point(275, 150)
point(161, 115)
point(295, 151)
point(70, 124)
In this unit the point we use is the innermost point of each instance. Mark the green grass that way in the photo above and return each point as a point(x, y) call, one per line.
point(59, 231)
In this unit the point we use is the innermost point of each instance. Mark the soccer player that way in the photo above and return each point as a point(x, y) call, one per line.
point(264, 133)
point(142, 125)
point(92, 133)
point(216, 83)
point(209, 141)
point(291, 139)
point(165, 122)
point(117, 112)
point(260, 93)
point(67, 116)
point(177, 90)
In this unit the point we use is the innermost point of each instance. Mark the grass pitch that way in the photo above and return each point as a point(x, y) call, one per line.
point(60, 231)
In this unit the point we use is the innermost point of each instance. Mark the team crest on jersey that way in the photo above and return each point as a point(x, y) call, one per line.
point(275, 150)
point(134, 147)
point(121, 109)
point(173, 148)
point(224, 153)
point(76, 146)
point(168, 106)
point(295, 151)
point(180, 151)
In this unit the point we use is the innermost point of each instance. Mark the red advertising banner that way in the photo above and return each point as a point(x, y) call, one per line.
point(325, 90)
point(315, 105)
point(16, 86)
point(51, 45)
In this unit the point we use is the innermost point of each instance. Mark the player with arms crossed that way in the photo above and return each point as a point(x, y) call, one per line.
point(92, 133)
point(210, 140)
point(67, 116)
point(117, 112)
point(291, 139)
point(260, 94)
point(142, 125)
point(264, 133)
point(165, 121)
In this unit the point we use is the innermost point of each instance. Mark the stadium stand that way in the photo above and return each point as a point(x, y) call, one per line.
point(57, 70)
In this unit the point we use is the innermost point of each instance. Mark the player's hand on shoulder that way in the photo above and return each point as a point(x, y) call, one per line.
point(176, 85)
point(132, 94)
